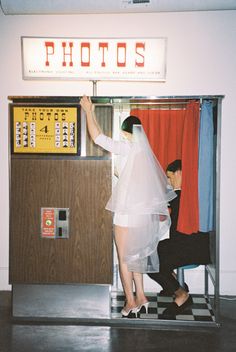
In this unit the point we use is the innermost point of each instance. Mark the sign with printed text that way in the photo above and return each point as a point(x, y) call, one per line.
point(131, 59)
point(45, 130)
point(48, 229)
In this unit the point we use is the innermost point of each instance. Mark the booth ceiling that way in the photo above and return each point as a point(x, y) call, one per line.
point(47, 7)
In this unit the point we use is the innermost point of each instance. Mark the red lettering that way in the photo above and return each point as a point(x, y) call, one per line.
point(65, 54)
point(103, 46)
point(141, 56)
point(121, 48)
point(126, 54)
point(86, 47)
point(48, 45)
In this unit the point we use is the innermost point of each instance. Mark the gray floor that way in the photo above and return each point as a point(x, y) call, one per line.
point(34, 337)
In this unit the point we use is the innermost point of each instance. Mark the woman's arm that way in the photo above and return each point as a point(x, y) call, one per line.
point(93, 127)
point(107, 143)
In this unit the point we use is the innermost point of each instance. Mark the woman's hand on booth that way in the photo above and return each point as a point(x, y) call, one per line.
point(93, 127)
point(86, 104)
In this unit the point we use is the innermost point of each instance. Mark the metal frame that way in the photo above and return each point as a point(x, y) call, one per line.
point(213, 275)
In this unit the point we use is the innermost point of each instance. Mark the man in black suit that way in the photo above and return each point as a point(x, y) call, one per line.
point(178, 250)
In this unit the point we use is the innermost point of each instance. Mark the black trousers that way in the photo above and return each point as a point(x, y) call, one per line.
point(178, 251)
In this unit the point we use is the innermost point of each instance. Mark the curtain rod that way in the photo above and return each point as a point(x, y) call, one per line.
point(111, 100)
point(152, 105)
point(143, 103)
point(156, 103)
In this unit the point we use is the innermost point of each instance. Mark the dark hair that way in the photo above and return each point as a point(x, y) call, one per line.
point(174, 166)
point(127, 124)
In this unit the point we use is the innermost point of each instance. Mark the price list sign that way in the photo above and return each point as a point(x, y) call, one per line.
point(45, 130)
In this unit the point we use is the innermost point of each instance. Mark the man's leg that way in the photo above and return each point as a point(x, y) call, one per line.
point(166, 282)
point(180, 251)
point(165, 277)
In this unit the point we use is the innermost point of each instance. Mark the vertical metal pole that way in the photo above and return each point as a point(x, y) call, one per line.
point(180, 276)
point(94, 88)
point(83, 134)
point(83, 124)
point(206, 283)
point(217, 248)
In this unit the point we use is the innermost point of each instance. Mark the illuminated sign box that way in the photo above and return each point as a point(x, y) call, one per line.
point(131, 59)
point(45, 129)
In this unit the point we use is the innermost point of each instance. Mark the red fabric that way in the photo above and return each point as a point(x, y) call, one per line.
point(173, 134)
point(189, 206)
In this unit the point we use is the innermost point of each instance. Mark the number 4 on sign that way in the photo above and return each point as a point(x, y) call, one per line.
point(44, 129)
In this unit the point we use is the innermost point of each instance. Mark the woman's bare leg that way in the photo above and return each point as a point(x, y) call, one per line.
point(125, 275)
point(140, 295)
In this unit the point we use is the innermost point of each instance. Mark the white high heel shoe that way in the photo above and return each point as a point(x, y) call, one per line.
point(145, 305)
point(128, 314)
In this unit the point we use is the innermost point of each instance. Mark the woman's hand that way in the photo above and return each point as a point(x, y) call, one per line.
point(86, 104)
point(93, 127)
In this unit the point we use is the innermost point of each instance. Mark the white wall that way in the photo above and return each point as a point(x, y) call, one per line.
point(201, 60)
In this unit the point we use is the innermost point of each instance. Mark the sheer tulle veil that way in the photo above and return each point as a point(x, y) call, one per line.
point(142, 193)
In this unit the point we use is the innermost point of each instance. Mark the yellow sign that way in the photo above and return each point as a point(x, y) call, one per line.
point(45, 130)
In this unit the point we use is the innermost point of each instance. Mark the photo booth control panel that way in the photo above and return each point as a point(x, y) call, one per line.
point(55, 223)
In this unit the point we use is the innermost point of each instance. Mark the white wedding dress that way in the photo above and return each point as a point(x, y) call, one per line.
point(139, 200)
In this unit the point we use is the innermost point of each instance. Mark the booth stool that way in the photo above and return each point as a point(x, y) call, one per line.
point(180, 272)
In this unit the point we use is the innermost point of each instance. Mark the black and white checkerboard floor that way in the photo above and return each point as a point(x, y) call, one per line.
point(201, 309)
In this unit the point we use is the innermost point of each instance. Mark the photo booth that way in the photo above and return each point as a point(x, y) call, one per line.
point(61, 237)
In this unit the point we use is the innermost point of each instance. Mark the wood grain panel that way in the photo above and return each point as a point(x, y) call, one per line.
point(83, 186)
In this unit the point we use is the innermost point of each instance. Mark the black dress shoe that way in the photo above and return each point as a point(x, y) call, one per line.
point(174, 309)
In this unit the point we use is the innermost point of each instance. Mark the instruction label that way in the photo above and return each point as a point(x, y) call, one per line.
point(45, 130)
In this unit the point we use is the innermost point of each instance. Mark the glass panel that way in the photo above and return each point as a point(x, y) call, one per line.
point(104, 116)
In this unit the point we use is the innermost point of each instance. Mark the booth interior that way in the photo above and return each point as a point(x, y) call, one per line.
point(63, 263)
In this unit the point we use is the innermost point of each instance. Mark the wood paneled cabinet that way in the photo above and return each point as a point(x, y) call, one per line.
point(83, 186)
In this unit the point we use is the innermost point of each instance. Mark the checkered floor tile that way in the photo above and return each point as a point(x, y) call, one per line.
point(201, 309)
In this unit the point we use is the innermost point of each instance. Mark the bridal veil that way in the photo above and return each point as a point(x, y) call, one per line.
point(142, 193)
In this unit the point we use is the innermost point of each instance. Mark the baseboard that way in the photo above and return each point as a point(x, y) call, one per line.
point(4, 285)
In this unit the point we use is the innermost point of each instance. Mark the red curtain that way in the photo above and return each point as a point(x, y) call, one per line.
point(173, 134)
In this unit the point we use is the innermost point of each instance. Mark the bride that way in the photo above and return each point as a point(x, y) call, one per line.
point(139, 203)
